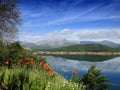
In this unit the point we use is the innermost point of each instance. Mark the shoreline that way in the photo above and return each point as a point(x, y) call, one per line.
point(75, 53)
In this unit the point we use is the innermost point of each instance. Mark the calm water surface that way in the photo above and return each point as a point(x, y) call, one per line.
point(110, 68)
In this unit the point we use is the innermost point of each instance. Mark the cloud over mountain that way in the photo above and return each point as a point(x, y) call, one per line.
point(75, 35)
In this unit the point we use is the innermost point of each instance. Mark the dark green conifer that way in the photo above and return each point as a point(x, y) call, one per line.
point(93, 80)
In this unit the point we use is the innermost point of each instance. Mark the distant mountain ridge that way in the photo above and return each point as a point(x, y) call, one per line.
point(46, 44)
point(57, 43)
point(27, 44)
point(86, 48)
point(49, 44)
point(105, 42)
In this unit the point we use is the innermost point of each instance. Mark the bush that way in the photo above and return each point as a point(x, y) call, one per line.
point(16, 51)
point(12, 52)
point(3, 52)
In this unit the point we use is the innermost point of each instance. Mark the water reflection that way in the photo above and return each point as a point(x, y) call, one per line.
point(110, 68)
point(59, 63)
point(91, 58)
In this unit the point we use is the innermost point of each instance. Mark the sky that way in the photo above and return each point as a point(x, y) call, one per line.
point(92, 20)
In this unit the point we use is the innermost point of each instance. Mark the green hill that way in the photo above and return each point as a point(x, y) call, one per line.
point(86, 48)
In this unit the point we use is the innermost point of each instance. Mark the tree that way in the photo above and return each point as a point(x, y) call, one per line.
point(9, 19)
point(16, 51)
point(93, 80)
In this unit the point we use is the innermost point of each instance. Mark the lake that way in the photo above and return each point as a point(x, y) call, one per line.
point(110, 66)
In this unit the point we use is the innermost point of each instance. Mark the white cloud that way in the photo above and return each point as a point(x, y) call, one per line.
point(99, 35)
point(78, 35)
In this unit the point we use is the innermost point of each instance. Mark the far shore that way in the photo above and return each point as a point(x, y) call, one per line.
point(75, 53)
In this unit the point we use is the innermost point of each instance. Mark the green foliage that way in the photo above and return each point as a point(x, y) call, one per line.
point(93, 80)
point(35, 78)
point(86, 48)
point(75, 78)
point(16, 51)
point(3, 51)
point(12, 52)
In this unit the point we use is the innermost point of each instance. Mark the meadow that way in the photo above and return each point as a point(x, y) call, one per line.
point(33, 74)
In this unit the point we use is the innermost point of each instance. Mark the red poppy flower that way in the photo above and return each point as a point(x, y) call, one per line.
point(46, 67)
point(75, 71)
point(26, 61)
point(7, 62)
point(23, 60)
point(31, 62)
point(41, 63)
point(50, 72)
point(31, 59)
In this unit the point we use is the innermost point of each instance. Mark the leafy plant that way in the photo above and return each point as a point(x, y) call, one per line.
point(34, 77)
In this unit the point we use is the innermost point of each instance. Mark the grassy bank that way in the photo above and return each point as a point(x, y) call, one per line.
point(36, 75)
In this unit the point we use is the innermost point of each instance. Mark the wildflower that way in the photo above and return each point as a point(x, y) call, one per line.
point(26, 60)
point(48, 84)
point(63, 85)
point(65, 82)
point(50, 72)
point(46, 67)
point(31, 60)
point(75, 84)
point(73, 88)
point(7, 62)
point(21, 62)
point(41, 63)
point(75, 71)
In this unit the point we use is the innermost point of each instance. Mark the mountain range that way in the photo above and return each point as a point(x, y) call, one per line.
point(105, 42)
point(49, 44)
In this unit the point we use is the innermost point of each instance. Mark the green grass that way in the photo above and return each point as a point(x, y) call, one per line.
point(33, 77)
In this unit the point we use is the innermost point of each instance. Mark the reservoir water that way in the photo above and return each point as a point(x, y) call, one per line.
point(110, 67)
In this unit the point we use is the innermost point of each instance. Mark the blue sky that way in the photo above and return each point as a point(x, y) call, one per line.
point(44, 17)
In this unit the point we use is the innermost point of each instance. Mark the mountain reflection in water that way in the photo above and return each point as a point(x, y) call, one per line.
point(110, 67)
